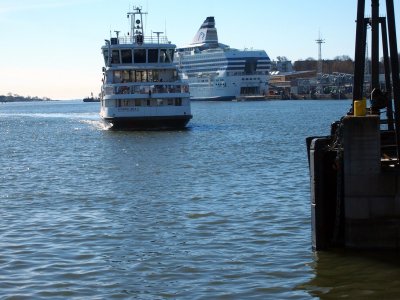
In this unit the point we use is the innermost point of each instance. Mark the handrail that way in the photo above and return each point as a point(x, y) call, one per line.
point(118, 89)
point(148, 39)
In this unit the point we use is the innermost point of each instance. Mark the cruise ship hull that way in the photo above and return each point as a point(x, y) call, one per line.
point(232, 89)
point(148, 123)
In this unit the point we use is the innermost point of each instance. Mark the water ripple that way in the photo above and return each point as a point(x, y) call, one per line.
point(220, 211)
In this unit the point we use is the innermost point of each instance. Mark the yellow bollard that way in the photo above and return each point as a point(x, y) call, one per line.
point(360, 108)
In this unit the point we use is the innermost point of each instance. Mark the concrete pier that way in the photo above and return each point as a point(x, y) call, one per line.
point(355, 193)
point(371, 193)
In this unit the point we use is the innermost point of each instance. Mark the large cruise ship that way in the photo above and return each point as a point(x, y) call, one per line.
point(141, 87)
point(215, 71)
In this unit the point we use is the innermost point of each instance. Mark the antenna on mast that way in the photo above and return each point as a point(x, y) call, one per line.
point(137, 30)
point(158, 35)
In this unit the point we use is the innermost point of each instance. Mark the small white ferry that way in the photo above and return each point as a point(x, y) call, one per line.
point(141, 87)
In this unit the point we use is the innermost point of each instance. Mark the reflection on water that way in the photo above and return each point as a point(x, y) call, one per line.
point(352, 274)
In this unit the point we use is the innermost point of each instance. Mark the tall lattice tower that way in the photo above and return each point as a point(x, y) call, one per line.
point(319, 41)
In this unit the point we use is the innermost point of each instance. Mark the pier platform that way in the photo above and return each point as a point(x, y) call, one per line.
point(355, 188)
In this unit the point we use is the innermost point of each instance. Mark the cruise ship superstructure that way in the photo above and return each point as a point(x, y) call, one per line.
point(141, 87)
point(215, 71)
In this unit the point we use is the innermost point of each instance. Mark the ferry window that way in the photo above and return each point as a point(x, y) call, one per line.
point(140, 76)
point(150, 75)
point(126, 56)
point(115, 57)
point(155, 75)
point(164, 56)
point(170, 55)
point(178, 102)
point(138, 102)
point(123, 90)
point(140, 55)
point(144, 76)
point(105, 53)
point(132, 76)
point(125, 76)
point(117, 77)
point(153, 55)
point(170, 101)
point(110, 103)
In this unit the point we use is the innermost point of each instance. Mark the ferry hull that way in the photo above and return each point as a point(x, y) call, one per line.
point(213, 98)
point(148, 123)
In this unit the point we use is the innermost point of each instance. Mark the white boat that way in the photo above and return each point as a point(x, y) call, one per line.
point(215, 71)
point(141, 87)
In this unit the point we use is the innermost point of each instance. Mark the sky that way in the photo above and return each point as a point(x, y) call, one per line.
point(51, 48)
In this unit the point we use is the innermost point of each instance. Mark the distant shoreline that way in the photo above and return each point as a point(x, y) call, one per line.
point(17, 98)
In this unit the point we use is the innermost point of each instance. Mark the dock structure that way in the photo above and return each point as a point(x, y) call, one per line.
point(355, 171)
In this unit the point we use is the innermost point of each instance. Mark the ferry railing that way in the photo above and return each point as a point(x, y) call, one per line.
point(146, 39)
point(124, 89)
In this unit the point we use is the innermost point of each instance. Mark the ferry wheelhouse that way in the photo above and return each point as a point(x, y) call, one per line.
point(141, 87)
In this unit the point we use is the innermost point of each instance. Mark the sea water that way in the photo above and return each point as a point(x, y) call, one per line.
point(218, 211)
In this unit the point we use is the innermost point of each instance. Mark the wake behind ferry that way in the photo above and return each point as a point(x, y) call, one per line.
point(215, 71)
point(141, 87)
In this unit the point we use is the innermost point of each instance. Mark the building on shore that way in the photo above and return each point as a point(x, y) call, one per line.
point(287, 83)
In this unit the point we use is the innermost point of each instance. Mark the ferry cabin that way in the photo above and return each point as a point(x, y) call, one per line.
point(141, 78)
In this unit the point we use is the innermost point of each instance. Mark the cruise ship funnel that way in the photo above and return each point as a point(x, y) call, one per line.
point(207, 33)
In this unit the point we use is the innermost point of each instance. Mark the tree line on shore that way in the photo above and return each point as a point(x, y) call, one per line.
point(17, 98)
point(340, 64)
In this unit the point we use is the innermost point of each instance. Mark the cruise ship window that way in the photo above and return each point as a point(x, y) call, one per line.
point(153, 55)
point(140, 55)
point(115, 57)
point(126, 56)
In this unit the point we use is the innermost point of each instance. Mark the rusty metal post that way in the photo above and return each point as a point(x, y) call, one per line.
point(374, 44)
point(389, 107)
point(359, 56)
point(394, 61)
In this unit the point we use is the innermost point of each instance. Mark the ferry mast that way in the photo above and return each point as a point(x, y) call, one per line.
point(137, 30)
